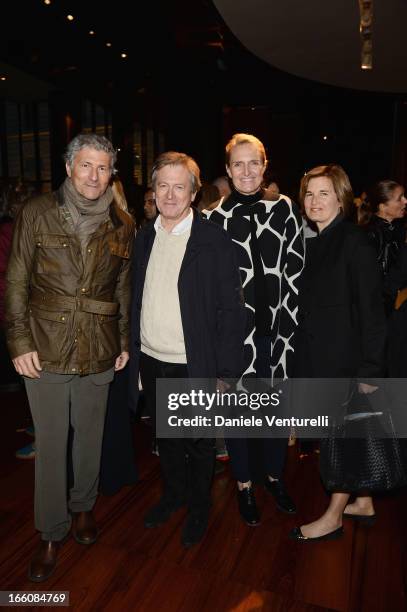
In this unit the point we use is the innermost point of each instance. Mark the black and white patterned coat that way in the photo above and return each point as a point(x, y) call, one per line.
point(280, 241)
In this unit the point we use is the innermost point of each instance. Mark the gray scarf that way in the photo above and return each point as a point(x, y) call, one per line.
point(86, 215)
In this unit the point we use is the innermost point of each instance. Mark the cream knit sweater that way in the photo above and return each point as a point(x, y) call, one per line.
point(161, 332)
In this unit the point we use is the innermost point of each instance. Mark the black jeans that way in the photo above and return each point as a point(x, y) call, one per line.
point(270, 451)
point(187, 465)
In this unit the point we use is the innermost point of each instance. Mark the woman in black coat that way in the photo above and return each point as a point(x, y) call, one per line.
point(342, 329)
point(384, 222)
point(385, 225)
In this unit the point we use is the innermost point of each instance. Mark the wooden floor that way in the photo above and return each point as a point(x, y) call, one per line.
point(235, 568)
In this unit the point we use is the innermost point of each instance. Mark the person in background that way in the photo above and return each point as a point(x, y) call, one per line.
point(272, 191)
point(117, 463)
point(207, 196)
point(385, 225)
point(119, 195)
point(223, 185)
point(150, 208)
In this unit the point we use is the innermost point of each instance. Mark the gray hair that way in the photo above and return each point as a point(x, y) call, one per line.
point(173, 158)
point(92, 141)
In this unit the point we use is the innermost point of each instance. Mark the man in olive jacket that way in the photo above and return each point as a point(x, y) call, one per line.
point(67, 311)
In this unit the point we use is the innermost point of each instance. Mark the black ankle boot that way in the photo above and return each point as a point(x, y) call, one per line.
point(283, 500)
point(247, 506)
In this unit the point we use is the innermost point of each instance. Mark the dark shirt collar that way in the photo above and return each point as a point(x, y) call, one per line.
point(338, 219)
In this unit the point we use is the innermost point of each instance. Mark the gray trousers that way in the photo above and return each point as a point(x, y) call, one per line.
point(56, 402)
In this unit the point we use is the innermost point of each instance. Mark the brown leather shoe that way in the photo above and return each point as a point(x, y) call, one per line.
point(84, 528)
point(44, 561)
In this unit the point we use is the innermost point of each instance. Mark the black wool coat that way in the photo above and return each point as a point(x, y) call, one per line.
point(342, 326)
point(211, 302)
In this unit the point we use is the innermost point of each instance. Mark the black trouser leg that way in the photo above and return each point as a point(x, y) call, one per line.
point(171, 450)
point(173, 468)
point(239, 458)
point(201, 459)
point(275, 453)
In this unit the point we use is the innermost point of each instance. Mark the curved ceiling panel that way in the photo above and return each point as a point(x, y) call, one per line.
point(320, 40)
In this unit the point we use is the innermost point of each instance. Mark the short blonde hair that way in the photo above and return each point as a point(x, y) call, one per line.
point(240, 139)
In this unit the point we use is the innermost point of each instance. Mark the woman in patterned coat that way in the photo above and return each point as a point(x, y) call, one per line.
point(268, 240)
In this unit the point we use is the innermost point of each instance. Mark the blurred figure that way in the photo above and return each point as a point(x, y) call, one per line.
point(117, 464)
point(272, 191)
point(223, 185)
point(119, 195)
point(385, 207)
point(150, 209)
point(358, 201)
point(383, 214)
point(11, 200)
point(208, 195)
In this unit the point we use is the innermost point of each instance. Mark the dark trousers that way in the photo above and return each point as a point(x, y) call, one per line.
point(186, 464)
point(267, 456)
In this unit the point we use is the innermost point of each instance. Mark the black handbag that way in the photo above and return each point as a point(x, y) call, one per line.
point(362, 451)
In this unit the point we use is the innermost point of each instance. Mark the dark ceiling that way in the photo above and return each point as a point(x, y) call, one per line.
point(40, 40)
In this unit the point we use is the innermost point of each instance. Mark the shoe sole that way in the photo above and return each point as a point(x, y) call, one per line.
point(250, 524)
point(84, 542)
point(329, 537)
point(35, 579)
point(365, 520)
point(291, 512)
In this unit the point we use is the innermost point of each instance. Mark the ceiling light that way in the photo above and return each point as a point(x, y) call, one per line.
point(47, 1)
point(325, 137)
point(70, 17)
point(108, 44)
point(123, 55)
point(92, 32)
point(3, 78)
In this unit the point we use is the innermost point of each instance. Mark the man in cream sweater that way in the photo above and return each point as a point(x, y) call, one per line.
point(188, 321)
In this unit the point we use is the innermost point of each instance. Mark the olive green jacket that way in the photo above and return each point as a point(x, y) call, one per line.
point(72, 309)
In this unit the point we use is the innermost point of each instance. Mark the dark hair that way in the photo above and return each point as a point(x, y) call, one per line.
point(207, 195)
point(340, 182)
point(380, 193)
